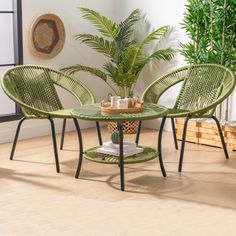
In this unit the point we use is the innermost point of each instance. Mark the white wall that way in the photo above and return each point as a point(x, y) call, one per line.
point(72, 53)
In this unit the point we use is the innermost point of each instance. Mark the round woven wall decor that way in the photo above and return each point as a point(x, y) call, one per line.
point(47, 36)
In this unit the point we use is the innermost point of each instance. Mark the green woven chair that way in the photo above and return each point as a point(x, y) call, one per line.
point(33, 89)
point(204, 87)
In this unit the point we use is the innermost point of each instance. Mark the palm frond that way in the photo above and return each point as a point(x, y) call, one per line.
point(129, 58)
point(140, 63)
point(142, 28)
point(114, 74)
point(119, 77)
point(149, 70)
point(155, 35)
point(132, 18)
point(162, 54)
point(76, 68)
point(105, 26)
point(101, 45)
point(111, 70)
point(123, 38)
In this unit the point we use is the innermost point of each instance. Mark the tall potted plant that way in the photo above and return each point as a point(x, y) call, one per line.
point(126, 57)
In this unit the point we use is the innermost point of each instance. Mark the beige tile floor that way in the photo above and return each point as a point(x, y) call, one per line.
point(35, 201)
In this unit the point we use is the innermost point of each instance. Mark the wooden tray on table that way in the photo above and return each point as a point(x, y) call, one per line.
point(108, 110)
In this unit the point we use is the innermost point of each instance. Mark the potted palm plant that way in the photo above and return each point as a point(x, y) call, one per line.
point(126, 57)
point(125, 53)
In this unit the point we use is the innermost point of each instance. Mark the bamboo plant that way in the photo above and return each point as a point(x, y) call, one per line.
point(126, 57)
point(210, 26)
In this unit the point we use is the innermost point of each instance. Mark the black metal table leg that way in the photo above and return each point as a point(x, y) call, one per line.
point(122, 177)
point(54, 144)
point(221, 137)
point(80, 148)
point(63, 134)
point(159, 146)
point(138, 133)
point(174, 133)
point(99, 133)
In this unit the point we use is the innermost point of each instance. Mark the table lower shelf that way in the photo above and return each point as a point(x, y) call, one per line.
point(147, 155)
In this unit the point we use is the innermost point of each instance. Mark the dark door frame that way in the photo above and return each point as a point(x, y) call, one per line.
point(18, 50)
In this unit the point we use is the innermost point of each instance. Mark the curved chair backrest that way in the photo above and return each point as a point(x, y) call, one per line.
point(32, 86)
point(204, 86)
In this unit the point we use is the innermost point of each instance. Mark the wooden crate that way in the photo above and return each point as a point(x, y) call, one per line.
point(192, 131)
point(208, 134)
point(230, 134)
point(188, 138)
point(203, 132)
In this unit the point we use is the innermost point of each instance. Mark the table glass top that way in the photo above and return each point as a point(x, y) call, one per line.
point(93, 112)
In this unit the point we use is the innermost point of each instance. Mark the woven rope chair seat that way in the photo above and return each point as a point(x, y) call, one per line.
point(204, 87)
point(33, 88)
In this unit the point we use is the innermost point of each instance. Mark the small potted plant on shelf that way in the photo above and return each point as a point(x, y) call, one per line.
point(125, 52)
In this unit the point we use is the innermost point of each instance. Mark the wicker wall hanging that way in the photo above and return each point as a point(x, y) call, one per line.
point(47, 36)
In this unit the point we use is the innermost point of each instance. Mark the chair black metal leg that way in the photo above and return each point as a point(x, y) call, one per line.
point(63, 134)
point(99, 133)
point(221, 137)
point(138, 133)
point(16, 138)
point(54, 144)
point(159, 147)
point(80, 148)
point(183, 144)
point(174, 133)
point(122, 177)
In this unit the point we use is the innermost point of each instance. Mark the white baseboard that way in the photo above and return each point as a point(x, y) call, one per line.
point(155, 124)
point(36, 128)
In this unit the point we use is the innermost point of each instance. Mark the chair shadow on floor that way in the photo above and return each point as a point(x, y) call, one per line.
point(231, 163)
point(211, 188)
point(32, 161)
point(202, 187)
point(27, 178)
point(197, 186)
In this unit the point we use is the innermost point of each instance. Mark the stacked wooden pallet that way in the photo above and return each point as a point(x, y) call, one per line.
point(192, 131)
point(209, 135)
point(230, 134)
point(204, 132)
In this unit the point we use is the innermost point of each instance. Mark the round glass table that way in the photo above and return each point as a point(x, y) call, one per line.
point(93, 113)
